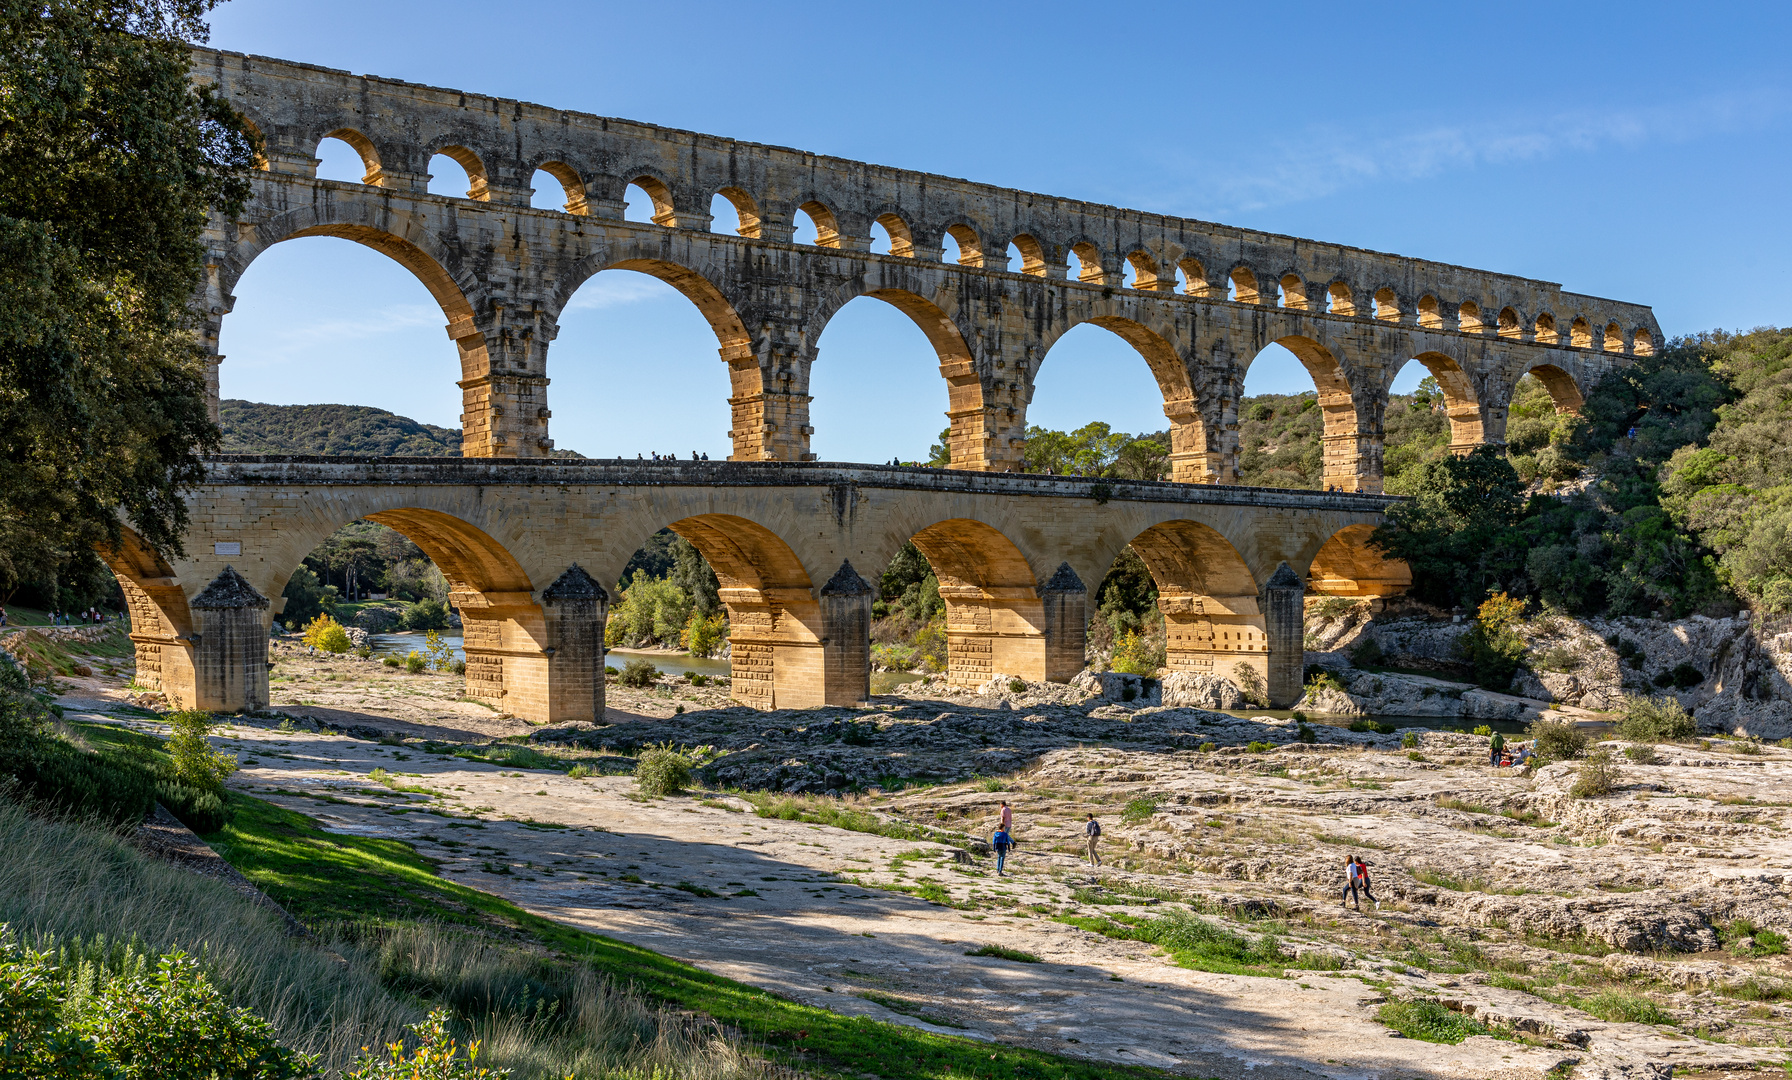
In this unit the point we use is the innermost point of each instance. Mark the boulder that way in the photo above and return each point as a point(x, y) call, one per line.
point(1118, 687)
point(1198, 690)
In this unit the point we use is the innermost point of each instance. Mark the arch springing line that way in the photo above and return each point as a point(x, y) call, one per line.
point(1032, 255)
point(1145, 272)
point(1194, 277)
point(370, 157)
point(1546, 329)
point(1429, 316)
point(1088, 257)
point(970, 248)
point(1244, 286)
point(902, 239)
point(1508, 325)
point(661, 196)
point(478, 184)
point(827, 227)
point(1614, 338)
point(570, 183)
point(746, 207)
point(1387, 305)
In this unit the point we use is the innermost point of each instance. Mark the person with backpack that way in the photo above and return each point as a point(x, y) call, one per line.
point(1499, 744)
point(1093, 831)
point(1002, 842)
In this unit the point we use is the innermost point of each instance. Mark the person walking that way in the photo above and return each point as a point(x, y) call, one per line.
point(1007, 817)
point(1368, 888)
point(1356, 881)
point(1092, 830)
point(1002, 842)
point(1498, 745)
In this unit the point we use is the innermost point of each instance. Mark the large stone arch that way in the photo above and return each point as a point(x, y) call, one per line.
point(1563, 388)
point(162, 622)
point(1462, 401)
point(968, 435)
point(1213, 621)
point(1194, 457)
point(1351, 458)
point(791, 647)
point(405, 240)
point(1001, 616)
point(768, 417)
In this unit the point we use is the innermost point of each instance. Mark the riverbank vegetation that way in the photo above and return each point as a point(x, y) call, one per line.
point(1665, 495)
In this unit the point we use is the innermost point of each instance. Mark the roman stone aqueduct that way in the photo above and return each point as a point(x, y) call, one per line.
point(526, 542)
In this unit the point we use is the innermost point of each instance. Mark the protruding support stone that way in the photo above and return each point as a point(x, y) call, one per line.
point(574, 610)
point(1283, 622)
point(230, 653)
point(1066, 603)
point(846, 637)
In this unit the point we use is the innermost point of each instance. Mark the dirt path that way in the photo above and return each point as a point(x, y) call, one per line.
point(798, 909)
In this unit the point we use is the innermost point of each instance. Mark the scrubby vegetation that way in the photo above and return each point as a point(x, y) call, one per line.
point(1660, 719)
point(251, 427)
point(1683, 513)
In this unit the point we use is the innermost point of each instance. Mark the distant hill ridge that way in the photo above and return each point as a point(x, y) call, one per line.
point(251, 427)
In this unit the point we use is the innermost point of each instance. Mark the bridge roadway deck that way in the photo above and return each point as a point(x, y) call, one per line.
point(531, 549)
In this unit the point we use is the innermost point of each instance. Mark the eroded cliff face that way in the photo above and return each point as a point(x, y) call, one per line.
point(1734, 674)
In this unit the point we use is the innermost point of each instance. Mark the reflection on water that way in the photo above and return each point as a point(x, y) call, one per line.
point(669, 663)
point(404, 642)
point(886, 682)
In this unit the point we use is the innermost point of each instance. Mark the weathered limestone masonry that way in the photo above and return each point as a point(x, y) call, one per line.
point(1204, 299)
point(525, 546)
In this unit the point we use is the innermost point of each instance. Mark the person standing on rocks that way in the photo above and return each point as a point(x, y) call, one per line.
point(1499, 746)
point(1007, 817)
point(1093, 831)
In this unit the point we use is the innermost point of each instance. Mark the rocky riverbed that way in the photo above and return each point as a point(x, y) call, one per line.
point(1636, 934)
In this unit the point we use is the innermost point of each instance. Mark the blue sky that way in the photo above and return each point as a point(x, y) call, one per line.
point(1637, 151)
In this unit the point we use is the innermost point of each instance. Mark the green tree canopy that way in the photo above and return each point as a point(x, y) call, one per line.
point(109, 160)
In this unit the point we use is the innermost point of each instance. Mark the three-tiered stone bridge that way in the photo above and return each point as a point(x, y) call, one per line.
point(792, 538)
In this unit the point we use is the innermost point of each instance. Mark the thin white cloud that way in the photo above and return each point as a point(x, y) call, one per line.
point(1326, 159)
point(617, 289)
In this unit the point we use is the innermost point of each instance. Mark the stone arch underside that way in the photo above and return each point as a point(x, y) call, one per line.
point(1348, 564)
point(504, 628)
point(1213, 619)
point(161, 621)
point(973, 433)
point(1000, 619)
point(768, 407)
point(1562, 387)
point(783, 653)
point(1461, 402)
point(1194, 456)
point(1351, 458)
